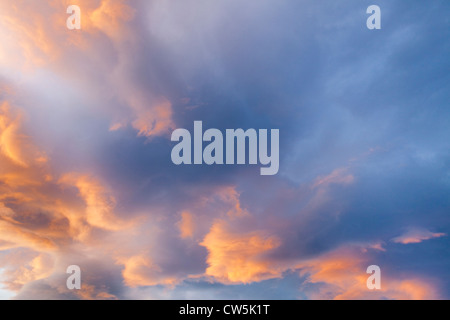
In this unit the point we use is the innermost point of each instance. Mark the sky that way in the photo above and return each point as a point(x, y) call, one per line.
point(86, 176)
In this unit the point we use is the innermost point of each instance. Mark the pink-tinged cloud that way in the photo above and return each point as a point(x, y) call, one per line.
point(42, 219)
point(417, 235)
point(141, 271)
point(341, 275)
point(13, 144)
point(239, 258)
point(375, 246)
point(90, 292)
point(338, 176)
point(36, 37)
point(186, 225)
point(22, 267)
point(100, 204)
point(230, 195)
point(153, 120)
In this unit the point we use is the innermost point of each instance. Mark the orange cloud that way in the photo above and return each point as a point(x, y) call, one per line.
point(227, 198)
point(152, 120)
point(24, 267)
point(91, 292)
point(14, 237)
point(186, 225)
point(14, 145)
point(342, 275)
point(110, 17)
point(27, 34)
point(230, 195)
point(239, 258)
point(44, 216)
point(36, 34)
point(99, 203)
point(23, 175)
point(141, 271)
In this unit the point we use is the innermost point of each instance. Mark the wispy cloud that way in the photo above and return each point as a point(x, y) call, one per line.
point(417, 235)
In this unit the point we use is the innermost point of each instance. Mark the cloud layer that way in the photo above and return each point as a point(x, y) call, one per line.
point(85, 170)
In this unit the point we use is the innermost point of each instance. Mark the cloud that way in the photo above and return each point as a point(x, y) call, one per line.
point(153, 121)
point(36, 37)
point(14, 145)
point(141, 271)
point(90, 292)
point(99, 203)
point(85, 171)
point(22, 267)
point(100, 278)
point(230, 195)
point(43, 219)
point(186, 225)
point(109, 16)
point(239, 258)
point(338, 176)
point(14, 236)
point(416, 235)
point(341, 275)
point(23, 172)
